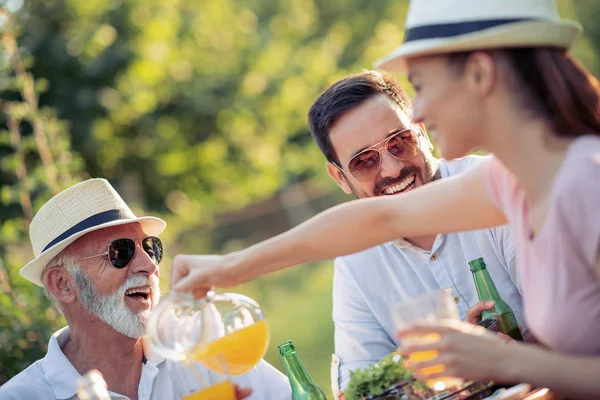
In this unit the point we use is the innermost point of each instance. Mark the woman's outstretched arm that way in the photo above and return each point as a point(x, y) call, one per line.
point(451, 204)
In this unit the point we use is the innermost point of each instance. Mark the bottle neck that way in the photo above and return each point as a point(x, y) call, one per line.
point(296, 372)
point(486, 290)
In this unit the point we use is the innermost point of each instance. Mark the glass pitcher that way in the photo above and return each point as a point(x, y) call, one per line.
point(184, 329)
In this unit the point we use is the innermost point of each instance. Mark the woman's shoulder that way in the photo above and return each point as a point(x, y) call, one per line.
point(575, 198)
point(576, 190)
point(582, 163)
point(585, 144)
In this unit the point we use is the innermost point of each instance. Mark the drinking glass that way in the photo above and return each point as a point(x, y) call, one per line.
point(91, 386)
point(190, 382)
point(432, 307)
point(182, 328)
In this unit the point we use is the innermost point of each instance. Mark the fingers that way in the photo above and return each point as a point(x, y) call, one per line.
point(443, 366)
point(180, 268)
point(188, 274)
point(198, 282)
point(505, 338)
point(437, 346)
point(200, 293)
point(242, 393)
point(193, 283)
point(437, 375)
point(442, 359)
point(199, 273)
point(474, 313)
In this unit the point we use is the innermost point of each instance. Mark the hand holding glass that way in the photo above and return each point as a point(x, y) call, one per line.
point(432, 307)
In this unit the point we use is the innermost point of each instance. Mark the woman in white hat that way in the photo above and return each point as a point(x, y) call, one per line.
point(494, 75)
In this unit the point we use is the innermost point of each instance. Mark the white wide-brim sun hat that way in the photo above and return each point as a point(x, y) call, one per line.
point(80, 209)
point(449, 26)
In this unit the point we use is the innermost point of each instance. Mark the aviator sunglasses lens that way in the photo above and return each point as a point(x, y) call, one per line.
point(121, 251)
point(154, 248)
point(403, 145)
point(364, 166)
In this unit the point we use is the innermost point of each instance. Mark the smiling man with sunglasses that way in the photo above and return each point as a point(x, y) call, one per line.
point(362, 124)
point(99, 264)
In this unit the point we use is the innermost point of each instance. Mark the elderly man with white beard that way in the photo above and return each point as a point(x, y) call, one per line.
point(99, 263)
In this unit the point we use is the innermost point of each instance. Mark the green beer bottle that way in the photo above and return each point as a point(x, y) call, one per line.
point(486, 290)
point(303, 387)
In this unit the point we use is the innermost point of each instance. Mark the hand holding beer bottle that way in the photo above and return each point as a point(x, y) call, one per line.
point(486, 290)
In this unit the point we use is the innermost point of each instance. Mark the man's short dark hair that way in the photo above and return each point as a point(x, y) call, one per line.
point(347, 94)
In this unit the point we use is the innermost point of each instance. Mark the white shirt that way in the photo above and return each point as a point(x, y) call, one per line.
point(54, 377)
point(368, 284)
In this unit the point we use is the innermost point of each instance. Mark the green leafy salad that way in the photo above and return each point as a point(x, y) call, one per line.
point(376, 379)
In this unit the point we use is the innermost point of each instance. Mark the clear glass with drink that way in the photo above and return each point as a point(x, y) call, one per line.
point(190, 383)
point(182, 328)
point(432, 307)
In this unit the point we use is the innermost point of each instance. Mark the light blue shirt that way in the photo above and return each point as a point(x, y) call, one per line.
point(368, 284)
point(54, 377)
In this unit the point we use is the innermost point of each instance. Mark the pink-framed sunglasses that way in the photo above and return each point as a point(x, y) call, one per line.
point(403, 144)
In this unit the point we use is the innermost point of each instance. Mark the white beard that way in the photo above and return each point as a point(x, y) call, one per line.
point(112, 308)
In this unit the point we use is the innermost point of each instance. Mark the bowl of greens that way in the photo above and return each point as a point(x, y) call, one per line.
point(386, 380)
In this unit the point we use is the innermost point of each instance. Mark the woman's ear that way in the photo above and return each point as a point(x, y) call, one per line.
point(481, 72)
point(60, 283)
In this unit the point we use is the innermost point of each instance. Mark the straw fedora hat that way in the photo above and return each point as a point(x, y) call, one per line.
point(80, 209)
point(446, 26)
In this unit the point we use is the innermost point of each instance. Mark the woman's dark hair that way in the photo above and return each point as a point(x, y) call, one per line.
point(552, 85)
point(346, 95)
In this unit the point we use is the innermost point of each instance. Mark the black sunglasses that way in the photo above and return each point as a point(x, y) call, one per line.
point(121, 251)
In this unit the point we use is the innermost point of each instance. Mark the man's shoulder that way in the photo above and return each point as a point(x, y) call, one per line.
point(463, 164)
point(29, 384)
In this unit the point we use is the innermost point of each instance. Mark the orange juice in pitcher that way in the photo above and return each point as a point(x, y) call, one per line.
point(242, 349)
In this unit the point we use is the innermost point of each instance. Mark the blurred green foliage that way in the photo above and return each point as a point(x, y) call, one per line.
point(191, 109)
point(35, 162)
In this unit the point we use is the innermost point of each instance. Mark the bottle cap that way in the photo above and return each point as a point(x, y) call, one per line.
point(477, 264)
point(286, 347)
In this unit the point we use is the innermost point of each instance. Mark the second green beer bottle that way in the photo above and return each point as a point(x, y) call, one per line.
point(486, 290)
point(303, 387)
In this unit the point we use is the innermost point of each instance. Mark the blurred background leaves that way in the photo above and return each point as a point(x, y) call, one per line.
point(196, 112)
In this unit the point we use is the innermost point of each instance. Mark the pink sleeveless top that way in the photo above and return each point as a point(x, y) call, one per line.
point(561, 290)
